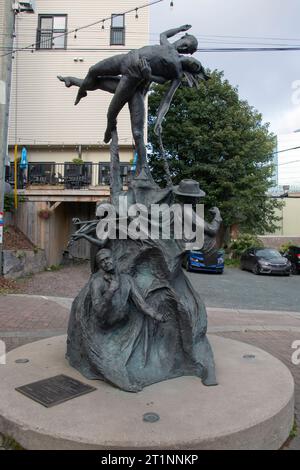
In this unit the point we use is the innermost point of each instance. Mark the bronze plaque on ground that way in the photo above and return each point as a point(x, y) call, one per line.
point(55, 390)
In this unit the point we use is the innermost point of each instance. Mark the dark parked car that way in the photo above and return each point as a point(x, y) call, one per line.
point(197, 261)
point(265, 261)
point(293, 255)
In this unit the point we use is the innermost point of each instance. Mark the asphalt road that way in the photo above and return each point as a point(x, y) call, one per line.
point(244, 290)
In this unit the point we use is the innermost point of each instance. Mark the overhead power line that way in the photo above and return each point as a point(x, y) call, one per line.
point(80, 28)
point(250, 49)
point(203, 50)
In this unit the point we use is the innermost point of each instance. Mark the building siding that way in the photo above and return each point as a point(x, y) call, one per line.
point(42, 108)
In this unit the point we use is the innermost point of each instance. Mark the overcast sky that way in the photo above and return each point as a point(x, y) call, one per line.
point(265, 79)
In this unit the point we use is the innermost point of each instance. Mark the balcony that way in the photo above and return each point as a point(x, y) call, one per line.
point(71, 181)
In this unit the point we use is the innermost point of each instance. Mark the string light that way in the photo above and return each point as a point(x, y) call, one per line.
point(171, 3)
point(136, 14)
point(75, 34)
point(153, 2)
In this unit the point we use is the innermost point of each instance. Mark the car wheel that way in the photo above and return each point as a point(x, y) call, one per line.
point(294, 269)
point(256, 269)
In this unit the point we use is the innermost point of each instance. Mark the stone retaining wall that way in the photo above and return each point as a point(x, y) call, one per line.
point(19, 263)
point(276, 241)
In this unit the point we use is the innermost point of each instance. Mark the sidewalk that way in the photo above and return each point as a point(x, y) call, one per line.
point(27, 318)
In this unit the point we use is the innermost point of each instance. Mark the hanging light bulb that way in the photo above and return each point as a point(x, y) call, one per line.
point(75, 34)
point(102, 25)
point(136, 14)
point(171, 3)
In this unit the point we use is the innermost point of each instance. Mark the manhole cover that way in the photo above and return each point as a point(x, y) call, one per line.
point(151, 417)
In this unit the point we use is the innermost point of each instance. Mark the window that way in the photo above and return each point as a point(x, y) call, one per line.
point(50, 30)
point(117, 30)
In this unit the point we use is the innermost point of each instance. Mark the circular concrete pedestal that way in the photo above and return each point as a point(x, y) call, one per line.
point(251, 408)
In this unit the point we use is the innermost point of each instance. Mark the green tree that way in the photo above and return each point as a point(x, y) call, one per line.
point(214, 137)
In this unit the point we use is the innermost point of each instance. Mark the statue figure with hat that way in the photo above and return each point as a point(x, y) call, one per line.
point(189, 192)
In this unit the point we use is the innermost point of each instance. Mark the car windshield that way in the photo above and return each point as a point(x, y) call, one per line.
point(268, 254)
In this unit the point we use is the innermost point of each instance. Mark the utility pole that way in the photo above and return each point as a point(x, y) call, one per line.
point(7, 19)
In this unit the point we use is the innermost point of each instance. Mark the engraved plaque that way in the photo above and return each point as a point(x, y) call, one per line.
point(55, 390)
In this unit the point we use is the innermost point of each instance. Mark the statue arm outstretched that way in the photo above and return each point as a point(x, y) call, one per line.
point(165, 105)
point(94, 241)
point(172, 32)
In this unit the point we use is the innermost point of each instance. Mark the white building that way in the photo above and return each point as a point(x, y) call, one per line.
point(44, 120)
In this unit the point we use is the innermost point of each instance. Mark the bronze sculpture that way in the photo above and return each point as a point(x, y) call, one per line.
point(138, 320)
point(128, 77)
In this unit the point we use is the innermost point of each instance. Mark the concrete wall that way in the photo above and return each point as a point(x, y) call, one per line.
point(290, 223)
point(277, 241)
point(19, 263)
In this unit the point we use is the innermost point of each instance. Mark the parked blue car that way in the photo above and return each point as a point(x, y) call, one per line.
point(197, 261)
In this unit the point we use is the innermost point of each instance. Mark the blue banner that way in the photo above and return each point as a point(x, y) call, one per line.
point(24, 161)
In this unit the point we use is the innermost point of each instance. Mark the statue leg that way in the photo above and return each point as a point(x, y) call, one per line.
point(123, 94)
point(106, 67)
point(70, 81)
point(137, 116)
point(101, 83)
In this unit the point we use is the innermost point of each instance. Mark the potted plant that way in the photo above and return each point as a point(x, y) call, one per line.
point(44, 214)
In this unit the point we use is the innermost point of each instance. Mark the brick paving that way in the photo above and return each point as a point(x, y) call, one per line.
point(25, 313)
point(65, 282)
point(24, 319)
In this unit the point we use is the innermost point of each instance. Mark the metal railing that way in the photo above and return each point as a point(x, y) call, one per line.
point(67, 175)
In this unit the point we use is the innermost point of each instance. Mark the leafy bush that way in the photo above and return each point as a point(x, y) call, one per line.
point(9, 201)
point(77, 161)
point(233, 263)
point(285, 246)
point(242, 243)
point(9, 204)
